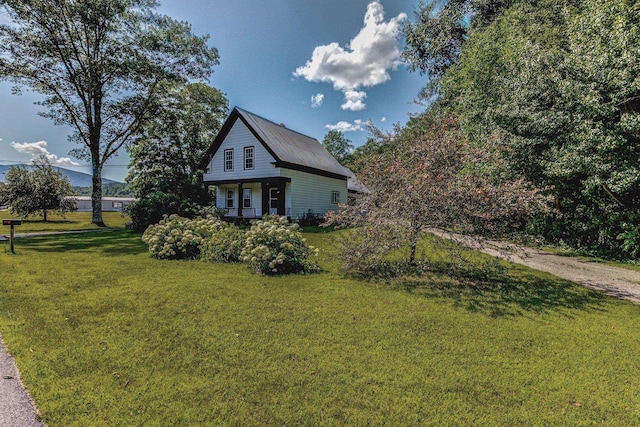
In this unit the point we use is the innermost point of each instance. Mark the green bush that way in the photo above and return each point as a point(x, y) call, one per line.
point(224, 245)
point(273, 246)
point(175, 237)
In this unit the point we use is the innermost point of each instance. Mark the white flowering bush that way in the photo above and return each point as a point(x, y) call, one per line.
point(225, 245)
point(175, 237)
point(273, 246)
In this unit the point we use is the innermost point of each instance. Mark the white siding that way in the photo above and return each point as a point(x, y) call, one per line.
point(313, 192)
point(239, 137)
point(256, 196)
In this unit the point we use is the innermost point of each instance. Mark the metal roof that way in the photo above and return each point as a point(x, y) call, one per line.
point(290, 148)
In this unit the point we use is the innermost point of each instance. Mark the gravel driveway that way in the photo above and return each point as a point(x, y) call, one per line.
point(615, 281)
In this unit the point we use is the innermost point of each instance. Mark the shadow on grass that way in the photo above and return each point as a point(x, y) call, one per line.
point(504, 291)
point(119, 242)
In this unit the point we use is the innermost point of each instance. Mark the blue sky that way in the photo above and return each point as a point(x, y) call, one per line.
point(313, 65)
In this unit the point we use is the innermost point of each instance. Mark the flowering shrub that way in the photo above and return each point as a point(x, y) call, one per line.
point(175, 237)
point(224, 245)
point(273, 246)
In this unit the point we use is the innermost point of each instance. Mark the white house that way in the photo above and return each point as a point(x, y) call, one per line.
point(260, 167)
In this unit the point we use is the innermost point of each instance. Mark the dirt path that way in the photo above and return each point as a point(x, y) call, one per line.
point(615, 281)
point(16, 408)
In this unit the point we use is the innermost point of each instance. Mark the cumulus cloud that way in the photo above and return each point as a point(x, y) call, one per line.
point(317, 100)
point(39, 149)
point(354, 100)
point(364, 62)
point(348, 127)
point(383, 120)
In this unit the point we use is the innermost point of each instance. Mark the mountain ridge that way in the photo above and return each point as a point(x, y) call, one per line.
point(77, 179)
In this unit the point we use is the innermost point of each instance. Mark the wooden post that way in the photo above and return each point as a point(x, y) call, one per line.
point(11, 223)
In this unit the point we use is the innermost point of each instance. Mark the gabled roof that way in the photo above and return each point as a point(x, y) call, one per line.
point(289, 148)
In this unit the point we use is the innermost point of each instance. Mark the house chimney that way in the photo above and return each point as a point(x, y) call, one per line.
point(282, 125)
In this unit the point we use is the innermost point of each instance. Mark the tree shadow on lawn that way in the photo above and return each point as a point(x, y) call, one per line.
point(120, 242)
point(510, 291)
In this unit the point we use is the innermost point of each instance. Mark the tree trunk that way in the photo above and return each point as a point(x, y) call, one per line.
point(96, 194)
point(44, 215)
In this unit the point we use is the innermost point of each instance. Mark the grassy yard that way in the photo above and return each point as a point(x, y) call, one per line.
point(71, 221)
point(105, 335)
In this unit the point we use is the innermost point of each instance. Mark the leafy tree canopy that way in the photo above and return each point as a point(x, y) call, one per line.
point(338, 145)
point(166, 161)
point(556, 86)
point(40, 190)
point(100, 65)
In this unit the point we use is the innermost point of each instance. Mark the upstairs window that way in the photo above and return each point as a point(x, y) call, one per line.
point(248, 157)
point(228, 160)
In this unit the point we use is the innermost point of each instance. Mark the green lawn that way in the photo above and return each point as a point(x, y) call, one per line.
point(105, 335)
point(68, 222)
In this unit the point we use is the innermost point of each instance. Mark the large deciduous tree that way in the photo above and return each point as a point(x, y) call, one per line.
point(99, 64)
point(338, 145)
point(167, 161)
point(557, 85)
point(429, 176)
point(441, 27)
point(37, 190)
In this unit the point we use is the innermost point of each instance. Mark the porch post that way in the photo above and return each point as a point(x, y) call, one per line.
point(265, 198)
point(240, 201)
point(281, 197)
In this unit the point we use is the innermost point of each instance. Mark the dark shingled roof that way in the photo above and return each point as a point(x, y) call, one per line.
point(289, 148)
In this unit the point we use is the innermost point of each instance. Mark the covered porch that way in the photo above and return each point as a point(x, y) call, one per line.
point(253, 198)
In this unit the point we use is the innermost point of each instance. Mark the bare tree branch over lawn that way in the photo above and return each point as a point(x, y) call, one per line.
point(426, 176)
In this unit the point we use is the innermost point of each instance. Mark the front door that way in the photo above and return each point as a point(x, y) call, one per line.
point(273, 201)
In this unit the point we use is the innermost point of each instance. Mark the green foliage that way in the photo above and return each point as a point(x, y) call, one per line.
point(100, 66)
point(225, 245)
point(166, 162)
point(273, 246)
point(151, 209)
point(435, 39)
point(310, 219)
point(38, 191)
point(338, 146)
point(175, 237)
point(555, 86)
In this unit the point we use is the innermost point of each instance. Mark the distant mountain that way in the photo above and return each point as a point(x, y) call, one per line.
point(77, 179)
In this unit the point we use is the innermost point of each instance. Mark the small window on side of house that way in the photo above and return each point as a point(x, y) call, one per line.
point(248, 157)
point(116, 205)
point(335, 197)
point(228, 160)
point(230, 197)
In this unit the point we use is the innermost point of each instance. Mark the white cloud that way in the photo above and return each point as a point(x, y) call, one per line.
point(317, 100)
point(349, 127)
point(354, 100)
point(364, 62)
point(39, 149)
point(383, 120)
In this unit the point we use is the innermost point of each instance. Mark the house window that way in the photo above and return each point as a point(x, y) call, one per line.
point(335, 197)
point(230, 198)
point(116, 205)
point(248, 157)
point(228, 160)
point(246, 198)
